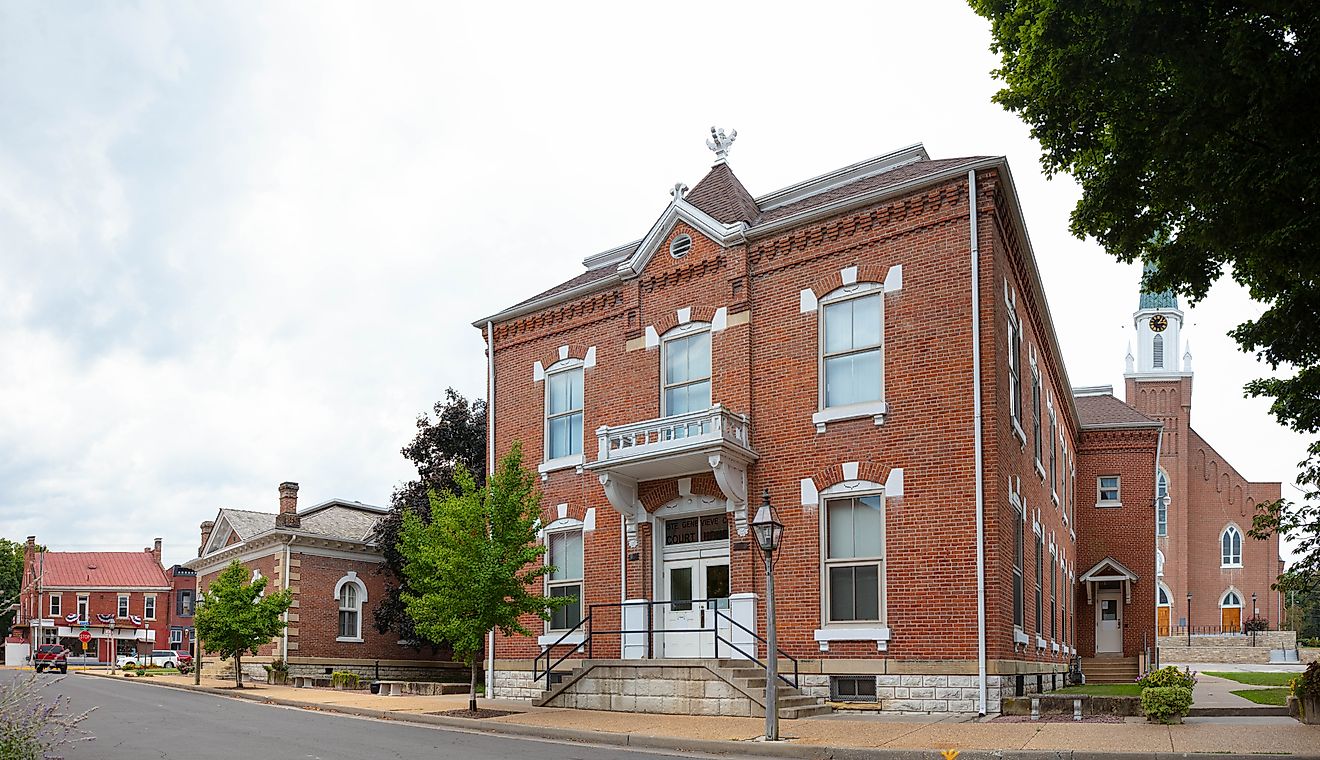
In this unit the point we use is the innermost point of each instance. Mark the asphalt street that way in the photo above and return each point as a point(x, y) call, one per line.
point(138, 722)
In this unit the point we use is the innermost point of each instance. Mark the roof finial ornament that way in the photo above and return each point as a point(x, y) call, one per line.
point(679, 190)
point(720, 143)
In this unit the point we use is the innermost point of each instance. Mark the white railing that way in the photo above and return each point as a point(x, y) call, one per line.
point(714, 424)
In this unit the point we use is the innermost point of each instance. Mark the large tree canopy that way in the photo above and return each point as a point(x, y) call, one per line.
point(11, 579)
point(455, 438)
point(1192, 129)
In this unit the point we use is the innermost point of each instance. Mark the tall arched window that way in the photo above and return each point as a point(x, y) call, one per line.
point(1231, 547)
point(352, 595)
point(1162, 504)
point(1157, 354)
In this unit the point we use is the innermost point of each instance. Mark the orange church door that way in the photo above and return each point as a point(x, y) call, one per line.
point(1162, 620)
point(1230, 618)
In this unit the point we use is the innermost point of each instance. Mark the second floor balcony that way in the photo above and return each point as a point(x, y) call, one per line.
point(714, 440)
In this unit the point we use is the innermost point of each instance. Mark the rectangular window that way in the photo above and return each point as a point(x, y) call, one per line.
point(176, 639)
point(1014, 369)
point(1019, 604)
point(852, 688)
point(563, 413)
point(349, 613)
point(566, 579)
point(185, 602)
point(123, 606)
point(1040, 584)
point(1054, 457)
point(854, 537)
point(149, 607)
point(82, 607)
point(1108, 487)
point(686, 378)
point(55, 605)
point(1035, 418)
point(1054, 599)
point(852, 356)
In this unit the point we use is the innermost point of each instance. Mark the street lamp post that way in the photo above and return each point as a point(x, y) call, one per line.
point(1189, 624)
point(1254, 612)
point(769, 532)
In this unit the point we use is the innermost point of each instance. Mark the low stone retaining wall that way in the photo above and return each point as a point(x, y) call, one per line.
point(1229, 647)
point(386, 672)
point(667, 690)
point(1069, 704)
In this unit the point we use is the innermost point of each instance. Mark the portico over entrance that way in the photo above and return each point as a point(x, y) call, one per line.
point(1109, 588)
point(713, 440)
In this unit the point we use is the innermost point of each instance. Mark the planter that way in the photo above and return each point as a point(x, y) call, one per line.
point(279, 677)
point(1309, 710)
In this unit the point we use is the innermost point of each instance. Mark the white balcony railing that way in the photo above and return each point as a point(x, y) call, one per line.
point(666, 434)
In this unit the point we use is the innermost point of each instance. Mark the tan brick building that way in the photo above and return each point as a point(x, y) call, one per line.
point(326, 555)
point(871, 348)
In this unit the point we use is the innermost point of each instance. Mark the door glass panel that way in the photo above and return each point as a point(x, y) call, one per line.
point(680, 589)
point(717, 586)
point(1109, 609)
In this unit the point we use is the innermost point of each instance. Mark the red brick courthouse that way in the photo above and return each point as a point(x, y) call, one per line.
point(873, 348)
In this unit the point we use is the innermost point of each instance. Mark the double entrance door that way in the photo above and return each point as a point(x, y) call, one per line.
point(695, 583)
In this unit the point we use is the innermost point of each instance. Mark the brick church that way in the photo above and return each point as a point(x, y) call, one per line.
point(960, 520)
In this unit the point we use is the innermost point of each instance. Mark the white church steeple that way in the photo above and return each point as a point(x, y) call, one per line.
point(1158, 322)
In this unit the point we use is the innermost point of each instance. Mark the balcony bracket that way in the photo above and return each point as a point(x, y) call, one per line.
point(731, 476)
point(621, 492)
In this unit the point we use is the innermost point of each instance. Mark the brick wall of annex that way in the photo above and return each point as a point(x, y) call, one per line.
point(1124, 533)
point(766, 366)
point(269, 566)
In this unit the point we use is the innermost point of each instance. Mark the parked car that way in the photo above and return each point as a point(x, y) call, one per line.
point(185, 664)
point(53, 656)
point(159, 658)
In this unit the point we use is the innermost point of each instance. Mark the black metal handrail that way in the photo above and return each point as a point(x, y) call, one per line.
point(591, 633)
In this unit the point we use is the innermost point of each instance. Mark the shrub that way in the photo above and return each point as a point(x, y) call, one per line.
point(1307, 685)
point(1166, 704)
point(345, 680)
point(1312, 642)
point(1256, 623)
point(32, 726)
point(1167, 677)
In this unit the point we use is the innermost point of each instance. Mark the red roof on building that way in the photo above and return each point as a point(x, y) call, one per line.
point(101, 570)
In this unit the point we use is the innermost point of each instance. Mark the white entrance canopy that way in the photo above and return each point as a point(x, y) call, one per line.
point(1108, 569)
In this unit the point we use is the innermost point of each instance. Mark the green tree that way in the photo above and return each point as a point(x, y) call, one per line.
point(11, 579)
point(476, 566)
point(235, 616)
point(455, 437)
point(1191, 128)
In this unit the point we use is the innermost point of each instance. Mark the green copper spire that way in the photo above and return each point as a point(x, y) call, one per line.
point(1165, 300)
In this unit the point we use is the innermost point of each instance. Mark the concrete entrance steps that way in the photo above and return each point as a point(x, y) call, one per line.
point(1110, 669)
point(1283, 655)
point(748, 681)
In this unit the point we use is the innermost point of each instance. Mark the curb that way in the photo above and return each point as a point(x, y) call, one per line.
point(706, 746)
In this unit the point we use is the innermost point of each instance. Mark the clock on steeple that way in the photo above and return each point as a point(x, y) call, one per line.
point(1158, 323)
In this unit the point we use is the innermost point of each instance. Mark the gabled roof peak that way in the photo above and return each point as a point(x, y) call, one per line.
point(723, 196)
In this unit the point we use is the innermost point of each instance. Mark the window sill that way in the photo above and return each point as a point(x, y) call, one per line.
point(562, 463)
point(1017, 431)
point(1237, 566)
point(1055, 496)
point(1040, 470)
point(349, 639)
point(1108, 504)
point(1019, 637)
point(880, 635)
point(546, 640)
point(1040, 642)
point(1054, 647)
point(876, 409)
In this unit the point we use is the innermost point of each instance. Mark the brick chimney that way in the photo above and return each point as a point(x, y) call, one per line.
point(288, 516)
point(155, 550)
point(207, 527)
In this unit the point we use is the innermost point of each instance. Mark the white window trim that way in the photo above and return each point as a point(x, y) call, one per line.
point(84, 606)
point(1231, 527)
point(1108, 503)
point(685, 330)
point(565, 525)
point(878, 409)
point(570, 460)
point(1015, 374)
point(121, 606)
point(56, 605)
point(152, 599)
point(351, 578)
point(1241, 604)
point(1163, 530)
point(842, 491)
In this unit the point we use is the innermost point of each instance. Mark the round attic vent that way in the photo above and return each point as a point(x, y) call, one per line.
point(680, 246)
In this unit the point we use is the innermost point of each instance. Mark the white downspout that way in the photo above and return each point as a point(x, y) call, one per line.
point(976, 414)
point(1155, 645)
point(490, 470)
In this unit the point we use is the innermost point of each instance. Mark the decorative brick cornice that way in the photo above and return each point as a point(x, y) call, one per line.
point(834, 474)
point(669, 320)
point(865, 273)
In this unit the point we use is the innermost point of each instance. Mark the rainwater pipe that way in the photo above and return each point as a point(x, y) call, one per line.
point(976, 421)
point(287, 570)
point(490, 470)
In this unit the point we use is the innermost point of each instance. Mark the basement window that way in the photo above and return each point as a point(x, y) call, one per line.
point(852, 688)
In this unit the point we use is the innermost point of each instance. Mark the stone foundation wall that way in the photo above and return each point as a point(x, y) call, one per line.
point(516, 684)
point(368, 672)
point(1230, 648)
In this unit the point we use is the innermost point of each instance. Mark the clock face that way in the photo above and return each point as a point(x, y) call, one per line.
point(1158, 323)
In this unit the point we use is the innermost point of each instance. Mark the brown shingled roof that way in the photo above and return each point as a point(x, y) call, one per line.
point(915, 170)
point(721, 195)
point(1106, 411)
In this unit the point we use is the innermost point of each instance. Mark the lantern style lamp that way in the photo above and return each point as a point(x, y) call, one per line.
point(769, 532)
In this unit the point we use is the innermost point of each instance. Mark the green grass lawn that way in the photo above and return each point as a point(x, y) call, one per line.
point(1102, 690)
point(1256, 679)
point(1278, 697)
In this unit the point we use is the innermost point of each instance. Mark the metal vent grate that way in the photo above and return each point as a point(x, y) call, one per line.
point(680, 246)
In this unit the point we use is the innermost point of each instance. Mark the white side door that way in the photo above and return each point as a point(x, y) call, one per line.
point(1109, 624)
point(682, 616)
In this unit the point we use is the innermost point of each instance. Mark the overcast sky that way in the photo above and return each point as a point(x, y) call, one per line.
point(242, 243)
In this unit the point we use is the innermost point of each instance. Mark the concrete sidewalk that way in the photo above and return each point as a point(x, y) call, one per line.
point(838, 735)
